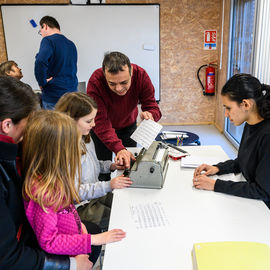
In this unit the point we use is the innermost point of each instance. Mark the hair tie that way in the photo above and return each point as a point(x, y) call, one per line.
point(264, 88)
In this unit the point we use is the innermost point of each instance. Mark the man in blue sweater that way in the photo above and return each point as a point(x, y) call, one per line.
point(56, 63)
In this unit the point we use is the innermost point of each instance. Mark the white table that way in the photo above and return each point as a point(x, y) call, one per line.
point(193, 215)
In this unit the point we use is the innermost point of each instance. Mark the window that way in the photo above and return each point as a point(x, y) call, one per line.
point(261, 62)
point(240, 51)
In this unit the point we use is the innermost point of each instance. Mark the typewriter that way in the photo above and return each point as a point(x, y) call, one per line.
point(150, 168)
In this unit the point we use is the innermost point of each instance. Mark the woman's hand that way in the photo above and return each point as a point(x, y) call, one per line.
point(120, 182)
point(204, 182)
point(206, 169)
point(114, 235)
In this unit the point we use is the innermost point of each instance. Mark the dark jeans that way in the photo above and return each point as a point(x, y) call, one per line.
point(47, 105)
point(92, 228)
point(103, 153)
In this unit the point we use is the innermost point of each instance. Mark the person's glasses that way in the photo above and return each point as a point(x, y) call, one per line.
point(39, 32)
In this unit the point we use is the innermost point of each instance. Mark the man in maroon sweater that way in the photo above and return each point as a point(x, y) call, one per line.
point(117, 89)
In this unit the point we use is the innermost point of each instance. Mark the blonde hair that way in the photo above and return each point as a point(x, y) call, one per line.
point(76, 105)
point(51, 159)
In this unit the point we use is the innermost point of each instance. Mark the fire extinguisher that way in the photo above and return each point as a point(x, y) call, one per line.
point(209, 89)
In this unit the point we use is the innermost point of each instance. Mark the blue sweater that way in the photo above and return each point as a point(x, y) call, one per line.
point(57, 58)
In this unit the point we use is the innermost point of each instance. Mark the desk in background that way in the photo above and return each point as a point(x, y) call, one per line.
point(192, 138)
point(193, 216)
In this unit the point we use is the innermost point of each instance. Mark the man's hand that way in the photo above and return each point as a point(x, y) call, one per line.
point(123, 158)
point(146, 115)
point(49, 79)
point(83, 262)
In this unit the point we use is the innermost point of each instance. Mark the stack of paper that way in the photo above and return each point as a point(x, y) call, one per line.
point(173, 135)
point(231, 256)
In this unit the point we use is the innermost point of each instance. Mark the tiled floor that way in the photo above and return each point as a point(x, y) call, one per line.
point(208, 135)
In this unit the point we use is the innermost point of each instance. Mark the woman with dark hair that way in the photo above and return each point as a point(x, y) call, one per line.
point(18, 246)
point(245, 100)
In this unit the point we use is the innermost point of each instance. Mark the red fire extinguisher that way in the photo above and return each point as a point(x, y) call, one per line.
point(209, 89)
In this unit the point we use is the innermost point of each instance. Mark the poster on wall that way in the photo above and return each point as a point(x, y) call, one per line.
point(210, 39)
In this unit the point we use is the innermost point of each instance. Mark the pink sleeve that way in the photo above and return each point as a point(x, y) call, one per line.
point(45, 226)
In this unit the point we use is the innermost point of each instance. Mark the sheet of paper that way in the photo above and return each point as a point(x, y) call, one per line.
point(160, 155)
point(148, 215)
point(193, 161)
point(146, 133)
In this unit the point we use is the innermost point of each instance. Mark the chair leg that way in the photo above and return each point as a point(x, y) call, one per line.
point(100, 258)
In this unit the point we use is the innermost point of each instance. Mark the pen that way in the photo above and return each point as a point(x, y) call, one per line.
point(178, 139)
point(176, 148)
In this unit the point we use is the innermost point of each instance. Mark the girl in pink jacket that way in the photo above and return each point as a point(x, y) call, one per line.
point(51, 159)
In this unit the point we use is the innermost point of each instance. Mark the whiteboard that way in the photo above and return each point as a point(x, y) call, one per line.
point(95, 29)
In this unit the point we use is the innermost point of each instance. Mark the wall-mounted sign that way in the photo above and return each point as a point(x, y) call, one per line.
point(210, 39)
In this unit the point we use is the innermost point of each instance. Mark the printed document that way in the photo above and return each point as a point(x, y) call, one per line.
point(146, 133)
point(148, 215)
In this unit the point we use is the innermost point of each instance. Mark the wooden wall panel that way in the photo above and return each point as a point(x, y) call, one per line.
point(3, 52)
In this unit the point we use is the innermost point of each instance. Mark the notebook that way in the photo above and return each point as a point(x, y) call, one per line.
point(231, 256)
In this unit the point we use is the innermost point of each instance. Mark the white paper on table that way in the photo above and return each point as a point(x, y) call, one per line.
point(146, 133)
point(193, 161)
point(148, 215)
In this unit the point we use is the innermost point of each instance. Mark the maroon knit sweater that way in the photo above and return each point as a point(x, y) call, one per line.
point(117, 112)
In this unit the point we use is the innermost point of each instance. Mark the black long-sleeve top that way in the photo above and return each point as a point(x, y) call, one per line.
point(253, 161)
